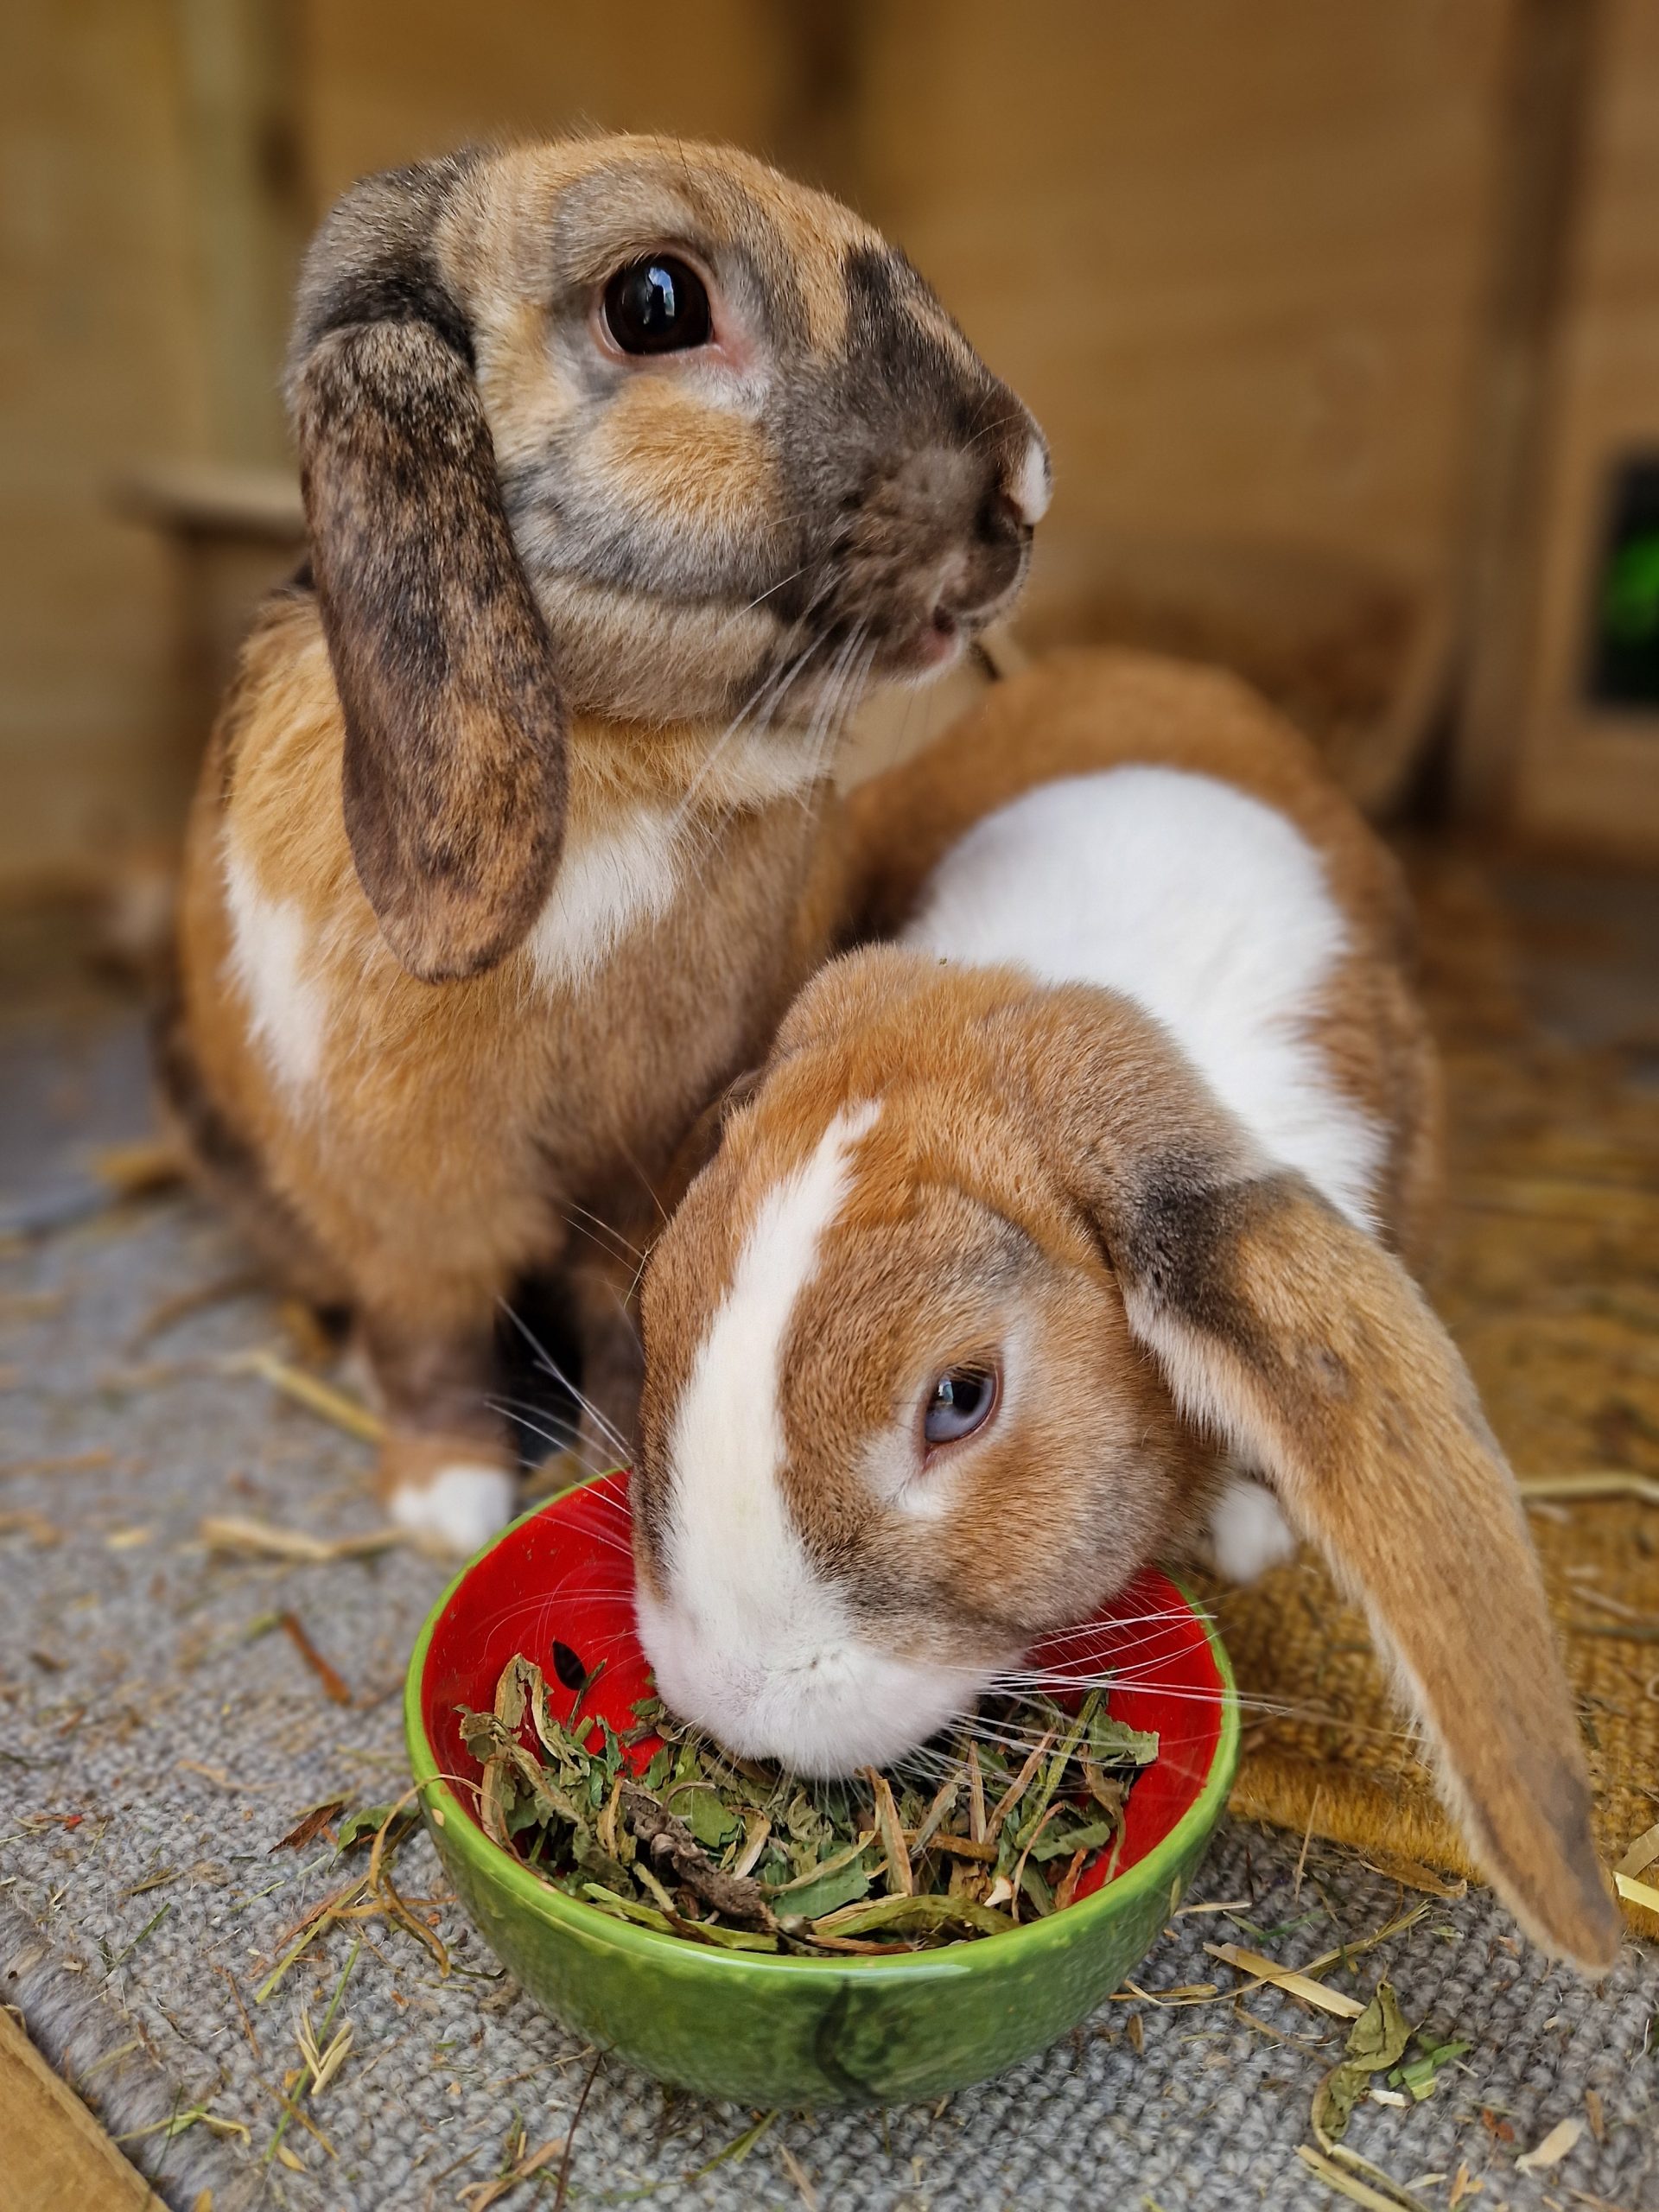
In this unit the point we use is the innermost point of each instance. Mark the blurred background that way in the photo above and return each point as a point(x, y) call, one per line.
point(1343, 321)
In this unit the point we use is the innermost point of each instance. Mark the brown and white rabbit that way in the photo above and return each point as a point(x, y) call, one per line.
point(626, 463)
point(1043, 1226)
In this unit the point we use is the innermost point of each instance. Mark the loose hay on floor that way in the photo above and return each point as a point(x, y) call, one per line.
point(160, 1736)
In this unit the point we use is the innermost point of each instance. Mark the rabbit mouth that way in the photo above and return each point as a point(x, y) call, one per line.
point(919, 571)
point(920, 642)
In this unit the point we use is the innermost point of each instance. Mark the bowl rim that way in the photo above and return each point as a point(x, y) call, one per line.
point(1152, 1875)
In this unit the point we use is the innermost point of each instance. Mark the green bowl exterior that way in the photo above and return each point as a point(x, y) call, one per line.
point(812, 2031)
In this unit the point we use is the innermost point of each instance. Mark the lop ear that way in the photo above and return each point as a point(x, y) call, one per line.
point(454, 776)
point(1310, 1350)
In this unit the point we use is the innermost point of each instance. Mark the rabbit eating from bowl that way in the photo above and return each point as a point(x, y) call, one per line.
point(1069, 1231)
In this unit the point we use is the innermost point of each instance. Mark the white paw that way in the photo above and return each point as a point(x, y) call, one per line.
point(1249, 1532)
point(459, 1508)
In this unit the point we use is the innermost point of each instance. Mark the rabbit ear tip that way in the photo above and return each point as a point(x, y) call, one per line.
point(1598, 1946)
point(1576, 1919)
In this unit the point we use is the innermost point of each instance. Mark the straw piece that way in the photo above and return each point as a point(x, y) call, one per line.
point(1642, 1853)
point(1297, 1985)
point(264, 1540)
point(321, 1398)
point(1597, 1482)
point(1348, 2185)
point(1555, 2147)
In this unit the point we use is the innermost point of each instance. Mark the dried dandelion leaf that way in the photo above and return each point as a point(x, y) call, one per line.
point(1376, 2041)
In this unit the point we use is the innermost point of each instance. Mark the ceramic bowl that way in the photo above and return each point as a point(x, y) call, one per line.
point(770, 2030)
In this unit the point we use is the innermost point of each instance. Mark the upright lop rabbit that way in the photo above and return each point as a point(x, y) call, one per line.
point(1053, 1233)
point(627, 464)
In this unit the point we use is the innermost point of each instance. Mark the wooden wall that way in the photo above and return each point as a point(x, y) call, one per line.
point(1231, 251)
point(100, 360)
point(1577, 773)
point(1234, 252)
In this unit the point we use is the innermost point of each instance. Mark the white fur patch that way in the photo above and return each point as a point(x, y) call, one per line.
point(288, 1006)
point(750, 1641)
point(1031, 489)
point(461, 1509)
point(604, 889)
point(1248, 1532)
point(1207, 908)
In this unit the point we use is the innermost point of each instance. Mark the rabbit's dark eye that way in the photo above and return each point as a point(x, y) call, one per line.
point(963, 1400)
point(656, 306)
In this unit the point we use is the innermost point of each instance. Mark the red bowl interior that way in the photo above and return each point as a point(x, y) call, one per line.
point(565, 1575)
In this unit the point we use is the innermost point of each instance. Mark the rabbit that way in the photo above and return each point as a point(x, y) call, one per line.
point(1075, 1216)
point(627, 465)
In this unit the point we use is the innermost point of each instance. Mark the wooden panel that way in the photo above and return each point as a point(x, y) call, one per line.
point(99, 363)
point(1590, 777)
point(387, 81)
point(1230, 251)
point(237, 63)
point(56, 2154)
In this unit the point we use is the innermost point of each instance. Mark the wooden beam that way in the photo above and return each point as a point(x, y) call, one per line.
point(820, 112)
point(1537, 197)
point(56, 2153)
point(238, 72)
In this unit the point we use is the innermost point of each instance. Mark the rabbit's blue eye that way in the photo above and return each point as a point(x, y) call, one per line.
point(962, 1400)
point(656, 306)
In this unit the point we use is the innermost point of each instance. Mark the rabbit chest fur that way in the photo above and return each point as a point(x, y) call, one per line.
point(410, 1149)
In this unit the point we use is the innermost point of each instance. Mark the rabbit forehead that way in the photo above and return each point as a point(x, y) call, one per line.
point(927, 1189)
point(565, 213)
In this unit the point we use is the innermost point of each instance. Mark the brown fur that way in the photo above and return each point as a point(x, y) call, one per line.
point(1046, 1173)
point(500, 1104)
point(559, 596)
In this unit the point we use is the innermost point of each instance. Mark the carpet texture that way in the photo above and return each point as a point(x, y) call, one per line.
point(160, 1733)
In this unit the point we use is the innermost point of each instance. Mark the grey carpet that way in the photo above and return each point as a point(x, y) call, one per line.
point(146, 1733)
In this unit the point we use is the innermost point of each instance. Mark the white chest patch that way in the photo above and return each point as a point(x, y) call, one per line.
point(607, 887)
point(271, 960)
point(1204, 906)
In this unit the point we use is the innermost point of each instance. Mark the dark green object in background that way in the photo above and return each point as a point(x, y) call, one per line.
point(1624, 650)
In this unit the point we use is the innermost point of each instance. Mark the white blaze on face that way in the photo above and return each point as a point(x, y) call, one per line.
point(748, 1638)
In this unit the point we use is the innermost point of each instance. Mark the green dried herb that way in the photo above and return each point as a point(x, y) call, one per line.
point(1376, 2041)
point(1421, 2074)
point(743, 1856)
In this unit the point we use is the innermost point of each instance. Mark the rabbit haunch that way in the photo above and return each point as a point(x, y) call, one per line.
point(1204, 906)
point(1135, 1171)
